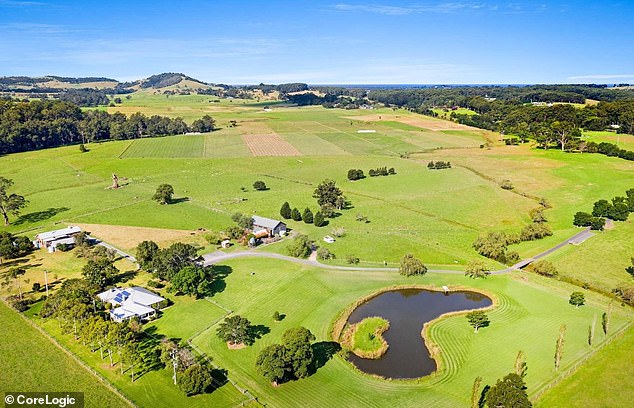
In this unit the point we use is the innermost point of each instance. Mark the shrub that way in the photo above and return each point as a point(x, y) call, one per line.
point(324, 254)
point(353, 260)
point(535, 231)
point(36, 287)
point(543, 268)
point(82, 148)
point(300, 246)
point(307, 216)
point(338, 232)
point(259, 185)
point(319, 220)
point(63, 247)
point(410, 265)
point(506, 185)
point(296, 215)
point(285, 211)
point(355, 174)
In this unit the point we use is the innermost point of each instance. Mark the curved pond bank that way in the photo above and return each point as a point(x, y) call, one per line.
point(408, 310)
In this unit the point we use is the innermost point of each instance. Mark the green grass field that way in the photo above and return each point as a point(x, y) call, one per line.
point(528, 317)
point(605, 381)
point(434, 214)
point(30, 362)
point(365, 337)
point(624, 141)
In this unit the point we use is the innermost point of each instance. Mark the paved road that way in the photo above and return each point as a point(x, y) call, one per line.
point(219, 256)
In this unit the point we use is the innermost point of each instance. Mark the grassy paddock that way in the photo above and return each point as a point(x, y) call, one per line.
point(365, 339)
point(526, 317)
point(30, 362)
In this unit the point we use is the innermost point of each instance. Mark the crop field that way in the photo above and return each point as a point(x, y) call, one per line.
point(434, 214)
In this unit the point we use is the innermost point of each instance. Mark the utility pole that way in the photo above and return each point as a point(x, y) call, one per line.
point(174, 356)
point(46, 281)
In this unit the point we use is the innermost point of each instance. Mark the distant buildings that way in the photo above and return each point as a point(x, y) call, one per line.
point(135, 302)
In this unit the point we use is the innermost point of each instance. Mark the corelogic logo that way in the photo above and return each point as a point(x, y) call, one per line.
point(44, 399)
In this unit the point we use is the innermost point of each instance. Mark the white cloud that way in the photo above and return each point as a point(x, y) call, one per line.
point(440, 7)
point(599, 77)
point(16, 3)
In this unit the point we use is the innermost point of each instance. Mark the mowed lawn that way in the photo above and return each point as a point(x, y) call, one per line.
point(528, 317)
point(30, 362)
point(605, 381)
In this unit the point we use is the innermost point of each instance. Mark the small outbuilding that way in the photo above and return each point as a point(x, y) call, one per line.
point(270, 226)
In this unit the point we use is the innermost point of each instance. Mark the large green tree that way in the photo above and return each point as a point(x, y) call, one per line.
point(99, 272)
point(410, 266)
point(299, 352)
point(196, 379)
point(204, 124)
point(477, 319)
point(235, 330)
point(10, 203)
point(192, 280)
point(271, 363)
point(477, 269)
point(327, 193)
point(163, 194)
point(509, 392)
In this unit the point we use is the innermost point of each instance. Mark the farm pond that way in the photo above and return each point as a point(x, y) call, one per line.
point(408, 310)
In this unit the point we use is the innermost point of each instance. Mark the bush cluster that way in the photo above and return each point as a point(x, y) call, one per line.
point(438, 165)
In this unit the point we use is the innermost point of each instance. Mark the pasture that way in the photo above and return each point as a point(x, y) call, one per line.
point(527, 318)
point(56, 371)
point(434, 214)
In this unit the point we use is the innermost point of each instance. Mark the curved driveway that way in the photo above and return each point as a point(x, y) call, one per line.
point(219, 256)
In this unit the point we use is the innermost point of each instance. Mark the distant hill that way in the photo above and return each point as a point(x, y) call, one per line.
point(52, 84)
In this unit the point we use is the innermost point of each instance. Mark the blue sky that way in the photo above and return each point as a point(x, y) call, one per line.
point(323, 42)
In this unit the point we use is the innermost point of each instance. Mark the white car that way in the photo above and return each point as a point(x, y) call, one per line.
point(329, 239)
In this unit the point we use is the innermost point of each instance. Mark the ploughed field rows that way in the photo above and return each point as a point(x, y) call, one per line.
point(312, 132)
point(269, 145)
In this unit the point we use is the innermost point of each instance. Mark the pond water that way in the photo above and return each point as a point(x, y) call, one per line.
point(408, 310)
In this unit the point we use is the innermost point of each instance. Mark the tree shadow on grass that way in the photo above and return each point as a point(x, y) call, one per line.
point(39, 215)
point(322, 352)
point(219, 378)
point(256, 331)
point(179, 200)
point(220, 273)
point(126, 276)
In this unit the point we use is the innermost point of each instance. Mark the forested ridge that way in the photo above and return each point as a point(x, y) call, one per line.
point(38, 124)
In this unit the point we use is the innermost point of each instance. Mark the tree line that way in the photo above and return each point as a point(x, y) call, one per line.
point(41, 124)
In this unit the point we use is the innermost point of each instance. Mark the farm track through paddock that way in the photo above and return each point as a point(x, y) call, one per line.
point(269, 145)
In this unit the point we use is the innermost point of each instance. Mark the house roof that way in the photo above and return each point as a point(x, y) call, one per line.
point(66, 241)
point(131, 309)
point(124, 296)
point(56, 234)
point(265, 222)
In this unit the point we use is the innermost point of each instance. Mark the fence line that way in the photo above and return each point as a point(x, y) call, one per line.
point(83, 364)
point(575, 366)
